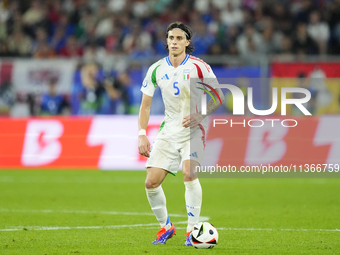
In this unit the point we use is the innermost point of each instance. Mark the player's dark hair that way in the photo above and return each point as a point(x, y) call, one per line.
point(188, 34)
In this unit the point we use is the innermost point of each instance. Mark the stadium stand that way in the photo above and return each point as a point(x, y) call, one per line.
point(123, 36)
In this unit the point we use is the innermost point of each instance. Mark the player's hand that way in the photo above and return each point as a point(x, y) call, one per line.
point(144, 147)
point(192, 120)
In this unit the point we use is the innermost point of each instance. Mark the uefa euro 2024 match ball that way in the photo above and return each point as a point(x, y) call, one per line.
point(204, 235)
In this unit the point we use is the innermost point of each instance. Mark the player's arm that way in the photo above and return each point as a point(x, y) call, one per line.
point(143, 120)
point(194, 119)
point(211, 107)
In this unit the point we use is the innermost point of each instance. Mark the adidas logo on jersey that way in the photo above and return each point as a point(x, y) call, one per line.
point(165, 77)
point(193, 155)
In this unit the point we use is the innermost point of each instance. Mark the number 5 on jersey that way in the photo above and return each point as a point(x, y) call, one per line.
point(177, 88)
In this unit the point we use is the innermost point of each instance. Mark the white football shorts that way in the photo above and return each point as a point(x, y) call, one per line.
point(168, 155)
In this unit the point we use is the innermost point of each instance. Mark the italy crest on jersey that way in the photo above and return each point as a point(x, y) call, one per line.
point(186, 73)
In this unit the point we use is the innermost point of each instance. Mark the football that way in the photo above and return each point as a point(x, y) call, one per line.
point(204, 235)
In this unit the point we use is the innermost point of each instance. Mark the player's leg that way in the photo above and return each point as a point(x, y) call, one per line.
point(193, 192)
point(164, 159)
point(155, 193)
point(192, 155)
point(157, 200)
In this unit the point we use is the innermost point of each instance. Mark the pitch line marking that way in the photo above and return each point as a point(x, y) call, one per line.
point(154, 226)
point(204, 218)
point(276, 229)
point(18, 228)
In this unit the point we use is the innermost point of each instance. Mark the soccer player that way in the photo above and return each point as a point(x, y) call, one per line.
point(183, 125)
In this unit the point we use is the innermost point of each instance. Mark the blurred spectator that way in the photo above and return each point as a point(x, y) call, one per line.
point(232, 49)
point(286, 51)
point(94, 53)
point(53, 103)
point(119, 91)
point(124, 24)
point(19, 44)
point(254, 53)
point(304, 82)
point(15, 20)
point(140, 53)
point(102, 12)
point(201, 5)
point(336, 40)
point(4, 51)
point(333, 12)
point(142, 49)
point(248, 17)
point(222, 4)
point(44, 51)
point(113, 41)
point(68, 6)
point(137, 36)
point(202, 40)
point(303, 44)
point(32, 103)
point(318, 31)
point(160, 41)
point(195, 18)
point(76, 9)
point(215, 49)
point(3, 31)
point(105, 26)
point(71, 49)
point(216, 27)
point(232, 16)
point(58, 40)
point(54, 11)
point(249, 41)
point(21, 108)
point(64, 24)
point(4, 11)
point(323, 97)
point(229, 41)
point(40, 39)
point(7, 98)
point(281, 17)
point(250, 4)
point(114, 58)
point(181, 13)
point(86, 26)
point(268, 45)
point(92, 94)
point(116, 5)
point(12, 7)
point(270, 40)
point(34, 16)
point(304, 8)
point(141, 9)
point(165, 16)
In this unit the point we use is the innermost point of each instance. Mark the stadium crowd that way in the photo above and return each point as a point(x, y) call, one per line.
point(115, 33)
point(94, 29)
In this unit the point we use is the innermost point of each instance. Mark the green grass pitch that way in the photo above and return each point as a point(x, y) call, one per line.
point(107, 212)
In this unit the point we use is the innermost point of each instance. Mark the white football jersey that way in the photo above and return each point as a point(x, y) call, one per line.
point(182, 92)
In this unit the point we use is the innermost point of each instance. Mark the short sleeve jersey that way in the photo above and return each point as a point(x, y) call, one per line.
point(182, 90)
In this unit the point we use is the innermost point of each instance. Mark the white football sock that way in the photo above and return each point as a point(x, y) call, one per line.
point(193, 200)
point(157, 202)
